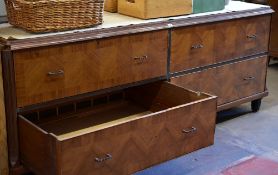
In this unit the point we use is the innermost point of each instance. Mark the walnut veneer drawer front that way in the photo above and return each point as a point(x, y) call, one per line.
point(49, 73)
point(192, 47)
point(229, 82)
point(151, 124)
point(213, 43)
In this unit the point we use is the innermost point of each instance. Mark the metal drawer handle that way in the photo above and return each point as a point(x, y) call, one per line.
point(100, 160)
point(188, 131)
point(56, 73)
point(197, 46)
point(249, 78)
point(253, 36)
point(140, 60)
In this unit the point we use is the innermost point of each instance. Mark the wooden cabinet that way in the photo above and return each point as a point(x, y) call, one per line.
point(97, 101)
point(273, 48)
point(120, 136)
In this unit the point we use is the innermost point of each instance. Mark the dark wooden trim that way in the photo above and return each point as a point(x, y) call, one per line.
point(242, 101)
point(169, 54)
point(10, 102)
point(87, 95)
point(130, 29)
point(177, 74)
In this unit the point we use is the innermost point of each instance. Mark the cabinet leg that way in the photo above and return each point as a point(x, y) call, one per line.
point(256, 105)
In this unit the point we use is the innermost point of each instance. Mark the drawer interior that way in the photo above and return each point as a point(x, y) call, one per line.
point(111, 109)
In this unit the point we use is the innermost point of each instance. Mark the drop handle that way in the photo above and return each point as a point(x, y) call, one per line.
point(103, 159)
point(56, 73)
point(197, 46)
point(191, 130)
point(253, 36)
point(249, 78)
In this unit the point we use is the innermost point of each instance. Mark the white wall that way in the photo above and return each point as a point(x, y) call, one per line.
point(2, 8)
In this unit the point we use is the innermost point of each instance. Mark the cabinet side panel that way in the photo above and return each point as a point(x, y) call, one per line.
point(3, 133)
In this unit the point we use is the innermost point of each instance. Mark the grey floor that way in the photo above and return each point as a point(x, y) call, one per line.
point(240, 136)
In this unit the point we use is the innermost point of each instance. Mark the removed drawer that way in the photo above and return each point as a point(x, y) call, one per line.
point(50, 73)
point(148, 125)
point(229, 82)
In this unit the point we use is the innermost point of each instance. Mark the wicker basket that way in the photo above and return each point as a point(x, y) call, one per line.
point(111, 6)
point(54, 15)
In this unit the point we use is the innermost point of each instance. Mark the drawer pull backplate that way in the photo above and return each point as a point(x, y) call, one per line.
point(188, 131)
point(100, 160)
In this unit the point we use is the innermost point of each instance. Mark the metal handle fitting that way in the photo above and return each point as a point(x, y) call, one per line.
point(140, 60)
point(188, 131)
point(56, 73)
point(100, 160)
point(253, 36)
point(197, 46)
point(249, 78)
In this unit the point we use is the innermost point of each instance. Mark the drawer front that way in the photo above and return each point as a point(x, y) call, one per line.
point(253, 35)
point(55, 72)
point(192, 47)
point(134, 146)
point(213, 43)
point(229, 82)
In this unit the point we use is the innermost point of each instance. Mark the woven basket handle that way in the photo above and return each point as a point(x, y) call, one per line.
point(15, 7)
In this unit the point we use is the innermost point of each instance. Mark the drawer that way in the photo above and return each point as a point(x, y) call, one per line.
point(192, 47)
point(240, 38)
point(142, 127)
point(253, 35)
point(208, 44)
point(50, 73)
point(229, 82)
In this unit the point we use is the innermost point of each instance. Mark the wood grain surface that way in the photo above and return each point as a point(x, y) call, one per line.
point(229, 82)
point(147, 9)
point(274, 29)
point(4, 168)
point(142, 143)
point(213, 43)
point(50, 73)
point(128, 146)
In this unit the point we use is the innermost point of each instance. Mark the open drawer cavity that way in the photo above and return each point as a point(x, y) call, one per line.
point(119, 133)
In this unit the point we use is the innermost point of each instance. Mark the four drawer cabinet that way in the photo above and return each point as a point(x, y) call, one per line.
point(117, 100)
point(120, 134)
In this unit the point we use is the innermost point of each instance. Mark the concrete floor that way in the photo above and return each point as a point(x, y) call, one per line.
point(246, 143)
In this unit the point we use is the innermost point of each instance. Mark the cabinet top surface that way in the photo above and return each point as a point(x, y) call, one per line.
point(116, 24)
